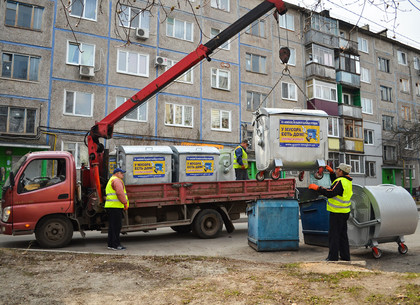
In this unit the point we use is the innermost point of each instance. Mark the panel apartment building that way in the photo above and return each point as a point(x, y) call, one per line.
point(63, 68)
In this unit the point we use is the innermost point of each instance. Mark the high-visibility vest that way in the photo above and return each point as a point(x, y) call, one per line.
point(341, 204)
point(244, 158)
point(111, 196)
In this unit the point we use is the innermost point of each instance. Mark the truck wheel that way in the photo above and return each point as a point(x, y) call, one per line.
point(182, 229)
point(208, 224)
point(54, 232)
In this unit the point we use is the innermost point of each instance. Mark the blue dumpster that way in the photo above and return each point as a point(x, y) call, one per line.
point(315, 222)
point(273, 225)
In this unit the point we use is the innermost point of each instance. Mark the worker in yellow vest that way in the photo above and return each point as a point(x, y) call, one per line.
point(339, 204)
point(116, 201)
point(240, 161)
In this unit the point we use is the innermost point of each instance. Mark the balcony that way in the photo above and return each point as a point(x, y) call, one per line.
point(353, 145)
point(350, 111)
point(324, 39)
point(329, 107)
point(347, 78)
point(314, 69)
point(348, 45)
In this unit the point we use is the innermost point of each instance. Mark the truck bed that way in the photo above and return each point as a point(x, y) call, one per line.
point(180, 193)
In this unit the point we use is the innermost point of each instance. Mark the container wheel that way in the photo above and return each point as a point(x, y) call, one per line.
point(260, 176)
point(402, 248)
point(275, 173)
point(208, 224)
point(182, 229)
point(301, 175)
point(377, 253)
point(54, 232)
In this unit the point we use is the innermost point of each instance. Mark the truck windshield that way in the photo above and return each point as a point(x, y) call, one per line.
point(15, 168)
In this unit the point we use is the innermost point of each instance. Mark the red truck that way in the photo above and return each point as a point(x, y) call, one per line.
point(43, 196)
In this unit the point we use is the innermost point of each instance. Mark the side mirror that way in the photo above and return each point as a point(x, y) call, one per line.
point(12, 179)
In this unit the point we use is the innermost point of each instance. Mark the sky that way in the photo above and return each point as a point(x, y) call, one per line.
point(405, 27)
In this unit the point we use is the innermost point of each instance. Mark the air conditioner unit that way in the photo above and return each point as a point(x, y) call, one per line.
point(142, 33)
point(161, 61)
point(87, 71)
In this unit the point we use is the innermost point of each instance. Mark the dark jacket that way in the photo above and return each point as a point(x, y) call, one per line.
point(335, 189)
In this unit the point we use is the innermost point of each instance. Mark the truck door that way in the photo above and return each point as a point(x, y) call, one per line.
point(43, 187)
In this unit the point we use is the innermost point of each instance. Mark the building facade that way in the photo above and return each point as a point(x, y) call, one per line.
point(64, 68)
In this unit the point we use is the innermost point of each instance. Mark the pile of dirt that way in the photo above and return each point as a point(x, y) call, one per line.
point(39, 277)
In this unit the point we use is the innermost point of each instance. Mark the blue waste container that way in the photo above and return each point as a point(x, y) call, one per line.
point(315, 222)
point(273, 225)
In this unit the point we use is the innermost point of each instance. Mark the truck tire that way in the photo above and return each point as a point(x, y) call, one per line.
point(182, 229)
point(208, 224)
point(54, 232)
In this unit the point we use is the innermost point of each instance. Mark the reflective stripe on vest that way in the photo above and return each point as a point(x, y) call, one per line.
point(244, 158)
point(111, 197)
point(341, 204)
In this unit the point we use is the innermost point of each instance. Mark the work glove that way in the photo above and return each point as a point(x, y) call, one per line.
point(125, 207)
point(328, 168)
point(313, 186)
point(243, 166)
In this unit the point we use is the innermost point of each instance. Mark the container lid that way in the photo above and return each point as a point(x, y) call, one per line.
point(294, 111)
point(196, 150)
point(142, 150)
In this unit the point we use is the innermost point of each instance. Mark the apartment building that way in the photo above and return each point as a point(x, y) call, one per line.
point(65, 68)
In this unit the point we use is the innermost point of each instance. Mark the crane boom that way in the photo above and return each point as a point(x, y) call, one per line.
point(105, 127)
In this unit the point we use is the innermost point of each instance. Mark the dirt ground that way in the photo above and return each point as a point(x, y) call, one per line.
point(38, 277)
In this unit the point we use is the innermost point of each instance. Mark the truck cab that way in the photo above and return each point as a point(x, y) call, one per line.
point(39, 196)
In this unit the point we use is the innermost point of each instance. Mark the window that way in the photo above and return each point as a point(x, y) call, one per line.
point(254, 99)
point(363, 45)
point(80, 54)
point(220, 79)
point(416, 62)
point(417, 89)
point(333, 159)
point(410, 171)
point(367, 105)
point(323, 56)
point(389, 153)
point(23, 15)
point(17, 66)
point(17, 120)
point(178, 115)
point(383, 64)
point(287, 21)
point(404, 85)
point(257, 28)
point(357, 163)
point(214, 33)
point(78, 103)
point(179, 29)
point(402, 58)
point(409, 143)
point(370, 168)
point(255, 63)
point(365, 75)
point(134, 17)
point(368, 137)
point(187, 77)
point(220, 120)
point(353, 129)
point(321, 90)
point(221, 4)
point(386, 93)
point(292, 58)
point(387, 122)
point(347, 99)
point(139, 114)
point(133, 63)
point(333, 127)
point(406, 113)
point(349, 63)
point(41, 173)
point(288, 91)
point(79, 152)
point(324, 24)
point(84, 9)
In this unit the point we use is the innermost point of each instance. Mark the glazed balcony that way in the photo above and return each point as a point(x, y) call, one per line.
point(348, 79)
point(324, 39)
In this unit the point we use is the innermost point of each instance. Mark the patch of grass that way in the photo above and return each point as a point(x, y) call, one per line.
point(230, 293)
point(411, 275)
point(354, 290)
point(380, 299)
point(412, 293)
